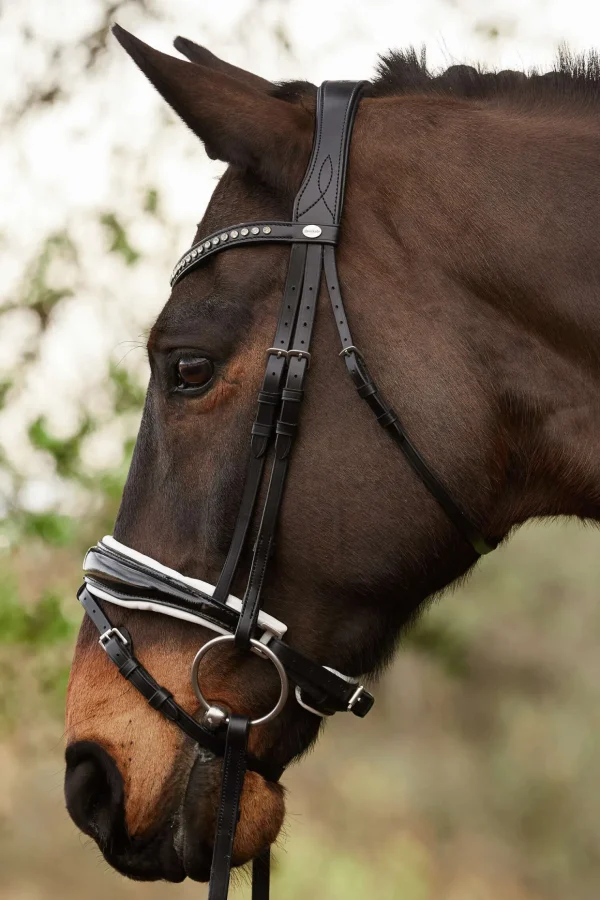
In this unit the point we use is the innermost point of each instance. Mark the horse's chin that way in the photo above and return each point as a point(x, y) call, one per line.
point(147, 860)
point(261, 818)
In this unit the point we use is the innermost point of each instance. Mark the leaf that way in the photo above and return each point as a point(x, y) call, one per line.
point(119, 242)
point(151, 201)
point(41, 625)
point(51, 527)
point(66, 452)
point(128, 395)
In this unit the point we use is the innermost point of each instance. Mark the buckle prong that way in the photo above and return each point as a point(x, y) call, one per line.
point(351, 349)
point(111, 633)
point(277, 351)
point(355, 697)
point(301, 354)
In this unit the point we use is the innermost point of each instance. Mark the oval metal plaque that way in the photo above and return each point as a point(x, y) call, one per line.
point(311, 231)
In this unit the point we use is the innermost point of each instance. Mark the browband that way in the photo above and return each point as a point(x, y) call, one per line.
point(252, 233)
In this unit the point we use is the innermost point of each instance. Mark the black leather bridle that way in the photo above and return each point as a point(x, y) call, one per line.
point(121, 576)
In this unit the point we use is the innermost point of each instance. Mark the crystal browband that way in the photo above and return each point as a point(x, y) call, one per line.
point(253, 233)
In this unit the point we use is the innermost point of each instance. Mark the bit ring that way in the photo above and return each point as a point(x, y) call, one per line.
point(260, 650)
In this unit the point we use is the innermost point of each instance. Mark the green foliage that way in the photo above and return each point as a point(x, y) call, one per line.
point(65, 451)
point(119, 242)
point(5, 386)
point(128, 395)
point(42, 624)
point(151, 201)
point(438, 642)
point(53, 680)
point(400, 869)
point(50, 527)
point(39, 294)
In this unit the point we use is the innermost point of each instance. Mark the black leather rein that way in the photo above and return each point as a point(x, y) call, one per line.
point(117, 575)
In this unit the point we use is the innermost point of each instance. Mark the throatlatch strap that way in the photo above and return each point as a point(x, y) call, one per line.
point(234, 769)
point(388, 419)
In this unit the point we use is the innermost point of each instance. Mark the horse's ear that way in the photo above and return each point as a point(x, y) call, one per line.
point(237, 123)
point(197, 54)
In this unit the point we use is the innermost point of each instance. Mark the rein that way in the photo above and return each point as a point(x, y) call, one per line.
point(119, 575)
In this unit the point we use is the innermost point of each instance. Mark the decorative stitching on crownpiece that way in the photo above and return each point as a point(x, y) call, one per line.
point(309, 174)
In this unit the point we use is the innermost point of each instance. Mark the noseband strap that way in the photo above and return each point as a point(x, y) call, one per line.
point(118, 575)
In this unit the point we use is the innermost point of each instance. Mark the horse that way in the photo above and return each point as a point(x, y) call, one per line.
point(469, 261)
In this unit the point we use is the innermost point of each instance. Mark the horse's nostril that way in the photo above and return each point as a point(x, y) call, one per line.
point(94, 792)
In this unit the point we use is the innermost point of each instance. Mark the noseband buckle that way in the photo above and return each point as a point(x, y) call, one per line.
point(109, 635)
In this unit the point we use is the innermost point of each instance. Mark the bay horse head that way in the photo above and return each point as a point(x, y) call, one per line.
point(468, 326)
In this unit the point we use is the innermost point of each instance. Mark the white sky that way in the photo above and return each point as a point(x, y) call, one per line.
point(112, 138)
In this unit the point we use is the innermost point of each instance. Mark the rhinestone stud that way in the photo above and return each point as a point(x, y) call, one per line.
point(244, 232)
point(233, 234)
point(215, 241)
point(255, 230)
point(194, 254)
point(224, 236)
point(188, 258)
point(207, 245)
point(267, 229)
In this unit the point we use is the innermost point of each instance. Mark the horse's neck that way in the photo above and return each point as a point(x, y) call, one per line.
point(518, 224)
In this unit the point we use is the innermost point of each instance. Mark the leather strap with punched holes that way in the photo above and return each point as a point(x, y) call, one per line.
point(318, 206)
point(234, 769)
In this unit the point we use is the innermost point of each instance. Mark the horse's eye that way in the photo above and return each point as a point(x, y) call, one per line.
point(193, 373)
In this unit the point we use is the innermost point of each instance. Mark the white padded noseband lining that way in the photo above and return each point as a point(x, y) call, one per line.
point(267, 623)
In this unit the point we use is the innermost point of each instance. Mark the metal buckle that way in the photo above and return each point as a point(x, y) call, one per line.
point(351, 349)
point(277, 351)
point(355, 697)
point(107, 635)
point(301, 354)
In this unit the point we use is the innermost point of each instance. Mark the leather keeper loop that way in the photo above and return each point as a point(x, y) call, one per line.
point(387, 418)
point(268, 397)
point(129, 667)
point(367, 389)
point(292, 394)
point(260, 430)
point(288, 429)
point(160, 696)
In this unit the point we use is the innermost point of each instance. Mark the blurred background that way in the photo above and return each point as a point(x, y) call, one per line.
point(476, 776)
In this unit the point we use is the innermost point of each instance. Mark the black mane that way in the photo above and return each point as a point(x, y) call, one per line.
point(406, 71)
point(573, 77)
